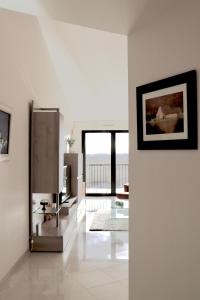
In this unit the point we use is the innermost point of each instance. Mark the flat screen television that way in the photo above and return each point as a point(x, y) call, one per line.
point(66, 191)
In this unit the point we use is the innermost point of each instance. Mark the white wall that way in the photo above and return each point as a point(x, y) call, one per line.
point(165, 203)
point(26, 73)
point(92, 68)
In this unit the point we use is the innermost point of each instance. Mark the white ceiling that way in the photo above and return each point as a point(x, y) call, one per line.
point(118, 16)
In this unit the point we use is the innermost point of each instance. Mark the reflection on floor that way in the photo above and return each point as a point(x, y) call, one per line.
point(102, 190)
point(96, 268)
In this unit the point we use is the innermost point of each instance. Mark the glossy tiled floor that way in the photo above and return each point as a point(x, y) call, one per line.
point(95, 268)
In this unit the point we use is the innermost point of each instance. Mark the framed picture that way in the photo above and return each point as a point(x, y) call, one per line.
point(167, 113)
point(5, 125)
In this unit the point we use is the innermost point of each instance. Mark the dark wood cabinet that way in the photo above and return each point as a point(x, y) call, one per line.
point(46, 174)
point(51, 229)
point(46, 151)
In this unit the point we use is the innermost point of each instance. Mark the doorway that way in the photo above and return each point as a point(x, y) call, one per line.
point(105, 161)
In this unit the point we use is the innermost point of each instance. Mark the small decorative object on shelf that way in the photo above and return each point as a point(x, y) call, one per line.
point(70, 141)
point(44, 203)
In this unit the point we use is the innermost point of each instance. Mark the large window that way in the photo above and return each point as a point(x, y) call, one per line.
point(105, 161)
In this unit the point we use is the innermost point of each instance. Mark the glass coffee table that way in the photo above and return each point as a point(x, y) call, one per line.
point(118, 211)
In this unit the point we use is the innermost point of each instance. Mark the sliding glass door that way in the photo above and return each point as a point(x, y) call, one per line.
point(105, 156)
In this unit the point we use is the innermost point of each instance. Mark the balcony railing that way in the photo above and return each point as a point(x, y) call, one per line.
point(98, 176)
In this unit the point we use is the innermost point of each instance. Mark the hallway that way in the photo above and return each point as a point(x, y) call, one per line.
point(96, 267)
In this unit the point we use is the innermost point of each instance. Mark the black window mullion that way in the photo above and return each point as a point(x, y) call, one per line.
point(113, 164)
point(84, 156)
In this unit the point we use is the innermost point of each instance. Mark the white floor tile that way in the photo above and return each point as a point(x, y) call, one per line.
point(110, 291)
point(95, 269)
point(92, 279)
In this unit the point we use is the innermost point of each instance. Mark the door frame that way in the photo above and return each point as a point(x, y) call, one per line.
point(113, 159)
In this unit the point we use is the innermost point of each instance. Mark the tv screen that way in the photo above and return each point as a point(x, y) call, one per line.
point(5, 118)
point(66, 192)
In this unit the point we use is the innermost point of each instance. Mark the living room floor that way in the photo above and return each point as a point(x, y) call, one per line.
point(95, 268)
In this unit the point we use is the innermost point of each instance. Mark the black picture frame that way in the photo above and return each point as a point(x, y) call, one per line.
point(5, 125)
point(167, 113)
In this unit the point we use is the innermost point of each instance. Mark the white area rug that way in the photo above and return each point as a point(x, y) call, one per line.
point(104, 221)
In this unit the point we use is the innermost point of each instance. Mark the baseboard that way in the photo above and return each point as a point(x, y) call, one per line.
point(13, 268)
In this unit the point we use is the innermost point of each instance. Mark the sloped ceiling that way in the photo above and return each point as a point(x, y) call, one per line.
point(117, 16)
